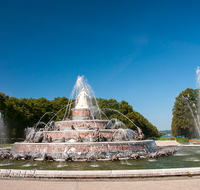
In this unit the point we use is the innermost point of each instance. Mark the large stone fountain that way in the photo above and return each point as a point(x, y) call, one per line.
point(83, 137)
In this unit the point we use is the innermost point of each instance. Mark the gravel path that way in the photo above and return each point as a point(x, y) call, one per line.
point(101, 184)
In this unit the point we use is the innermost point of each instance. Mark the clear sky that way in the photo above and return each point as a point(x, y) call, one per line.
point(143, 52)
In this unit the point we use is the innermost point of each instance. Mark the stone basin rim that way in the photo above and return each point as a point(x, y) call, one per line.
point(86, 143)
point(100, 173)
point(80, 130)
point(82, 121)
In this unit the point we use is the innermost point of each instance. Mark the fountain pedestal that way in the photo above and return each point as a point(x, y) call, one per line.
point(81, 114)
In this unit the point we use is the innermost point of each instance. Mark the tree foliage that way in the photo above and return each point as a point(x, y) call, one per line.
point(185, 114)
point(127, 110)
point(20, 113)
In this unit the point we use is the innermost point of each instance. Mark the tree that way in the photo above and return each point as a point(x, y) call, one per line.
point(147, 128)
point(3, 99)
point(20, 113)
point(185, 114)
point(112, 109)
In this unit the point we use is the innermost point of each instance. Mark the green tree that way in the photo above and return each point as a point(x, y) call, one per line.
point(148, 129)
point(185, 113)
point(3, 99)
point(111, 108)
point(57, 105)
point(20, 113)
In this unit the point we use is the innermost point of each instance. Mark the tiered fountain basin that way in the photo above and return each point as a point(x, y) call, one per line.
point(81, 124)
point(86, 135)
point(78, 151)
point(81, 138)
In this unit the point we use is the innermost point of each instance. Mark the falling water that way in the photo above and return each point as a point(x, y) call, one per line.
point(195, 113)
point(78, 87)
point(121, 114)
point(198, 106)
point(198, 85)
point(2, 130)
point(198, 77)
point(196, 119)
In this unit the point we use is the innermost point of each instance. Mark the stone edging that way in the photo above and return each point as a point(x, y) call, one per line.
point(99, 173)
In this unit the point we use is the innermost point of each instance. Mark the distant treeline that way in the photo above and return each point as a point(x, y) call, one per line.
point(20, 113)
point(165, 132)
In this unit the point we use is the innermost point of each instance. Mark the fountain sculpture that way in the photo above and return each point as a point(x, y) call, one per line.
point(86, 136)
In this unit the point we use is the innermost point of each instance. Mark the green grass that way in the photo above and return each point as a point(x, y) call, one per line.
point(164, 139)
point(182, 140)
point(5, 145)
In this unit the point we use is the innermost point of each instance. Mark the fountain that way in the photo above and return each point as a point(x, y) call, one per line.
point(84, 136)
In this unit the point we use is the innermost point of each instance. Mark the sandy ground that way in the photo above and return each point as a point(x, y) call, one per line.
point(103, 184)
point(167, 143)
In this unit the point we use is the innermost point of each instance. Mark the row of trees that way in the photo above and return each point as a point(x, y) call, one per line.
point(20, 113)
point(148, 129)
point(185, 119)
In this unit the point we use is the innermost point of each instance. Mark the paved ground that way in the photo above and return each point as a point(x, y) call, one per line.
point(167, 143)
point(176, 183)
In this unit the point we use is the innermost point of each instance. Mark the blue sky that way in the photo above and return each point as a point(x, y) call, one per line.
point(143, 52)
